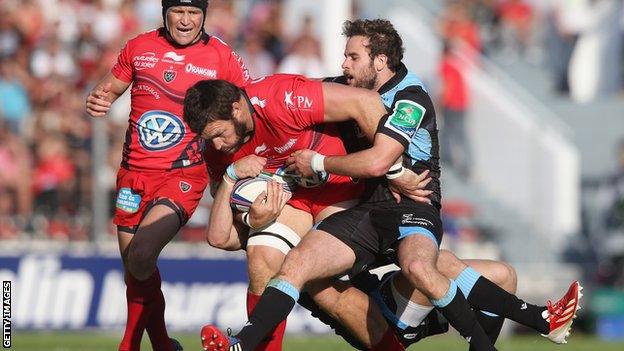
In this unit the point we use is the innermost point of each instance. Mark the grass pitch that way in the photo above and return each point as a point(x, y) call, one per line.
point(98, 341)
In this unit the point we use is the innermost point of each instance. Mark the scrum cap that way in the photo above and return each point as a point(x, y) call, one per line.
point(166, 4)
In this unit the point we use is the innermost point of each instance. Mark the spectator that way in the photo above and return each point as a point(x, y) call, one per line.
point(568, 20)
point(305, 56)
point(456, 25)
point(52, 60)
point(15, 202)
point(10, 37)
point(259, 61)
point(454, 98)
point(14, 103)
point(516, 18)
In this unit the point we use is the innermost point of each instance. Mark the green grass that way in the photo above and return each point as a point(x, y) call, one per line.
point(96, 341)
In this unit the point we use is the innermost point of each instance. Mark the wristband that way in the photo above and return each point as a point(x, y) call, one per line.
point(246, 219)
point(395, 171)
point(231, 172)
point(317, 163)
point(228, 180)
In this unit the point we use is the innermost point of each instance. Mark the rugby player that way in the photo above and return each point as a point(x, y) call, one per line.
point(407, 233)
point(269, 118)
point(162, 177)
point(268, 126)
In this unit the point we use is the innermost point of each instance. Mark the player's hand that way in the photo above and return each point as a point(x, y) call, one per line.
point(300, 162)
point(98, 101)
point(249, 166)
point(268, 205)
point(411, 185)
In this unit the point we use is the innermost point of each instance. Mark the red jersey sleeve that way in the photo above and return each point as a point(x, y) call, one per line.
point(122, 69)
point(305, 101)
point(233, 65)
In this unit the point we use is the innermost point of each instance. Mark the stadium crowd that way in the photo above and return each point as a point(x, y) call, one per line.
point(52, 51)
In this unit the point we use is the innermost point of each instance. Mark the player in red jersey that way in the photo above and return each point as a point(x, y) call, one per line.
point(284, 109)
point(162, 176)
point(272, 117)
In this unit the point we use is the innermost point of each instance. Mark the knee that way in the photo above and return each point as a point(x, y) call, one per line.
point(141, 260)
point(421, 273)
point(449, 265)
point(510, 281)
point(261, 261)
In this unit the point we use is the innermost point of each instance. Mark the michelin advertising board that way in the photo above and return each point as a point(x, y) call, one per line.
point(63, 291)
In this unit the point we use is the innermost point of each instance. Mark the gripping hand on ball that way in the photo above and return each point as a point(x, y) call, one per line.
point(268, 205)
point(249, 166)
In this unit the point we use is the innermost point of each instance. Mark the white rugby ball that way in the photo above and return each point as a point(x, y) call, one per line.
point(247, 190)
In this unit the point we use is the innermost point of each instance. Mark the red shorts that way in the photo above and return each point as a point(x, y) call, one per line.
point(137, 191)
point(337, 189)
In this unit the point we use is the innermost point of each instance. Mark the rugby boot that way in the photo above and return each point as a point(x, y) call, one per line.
point(213, 339)
point(561, 314)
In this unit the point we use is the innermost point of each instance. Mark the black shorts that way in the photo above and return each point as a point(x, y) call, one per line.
point(373, 230)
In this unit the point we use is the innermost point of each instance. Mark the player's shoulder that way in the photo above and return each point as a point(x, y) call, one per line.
point(218, 43)
point(410, 88)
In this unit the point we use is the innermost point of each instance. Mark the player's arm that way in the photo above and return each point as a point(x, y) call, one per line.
point(393, 135)
point(222, 232)
point(342, 103)
point(104, 94)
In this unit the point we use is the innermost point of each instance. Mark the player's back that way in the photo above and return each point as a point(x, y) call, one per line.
point(288, 116)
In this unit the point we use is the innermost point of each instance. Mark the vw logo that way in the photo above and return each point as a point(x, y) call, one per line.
point(160, 130)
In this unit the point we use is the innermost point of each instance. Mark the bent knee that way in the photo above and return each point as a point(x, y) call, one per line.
point(421, 272)
point(449, 265)
point(510, 281)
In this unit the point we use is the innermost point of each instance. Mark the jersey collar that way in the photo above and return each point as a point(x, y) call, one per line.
point(396, 79)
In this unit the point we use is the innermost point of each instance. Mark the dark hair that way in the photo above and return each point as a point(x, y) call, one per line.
point(382, 37)
point(208, 101)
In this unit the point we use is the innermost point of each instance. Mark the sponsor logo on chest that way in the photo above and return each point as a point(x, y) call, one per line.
point(297, 101)
point(289, 144)
point(201, 71)
point(145, 60)
point(172, 57)
point(159, 130)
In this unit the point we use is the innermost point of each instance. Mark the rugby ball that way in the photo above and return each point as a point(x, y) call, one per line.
point(316, 180)
point(247, 190)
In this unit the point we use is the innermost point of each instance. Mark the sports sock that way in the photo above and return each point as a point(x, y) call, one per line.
point(274, 306)
point(156, 328)
point(139, 295)
point(483, 294)
point(273, 341)
point(491, 324)
point(389, 342)
point(455, 308)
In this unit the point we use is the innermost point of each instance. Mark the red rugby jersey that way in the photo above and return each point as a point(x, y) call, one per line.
point(157, 137)
point(288, 116)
